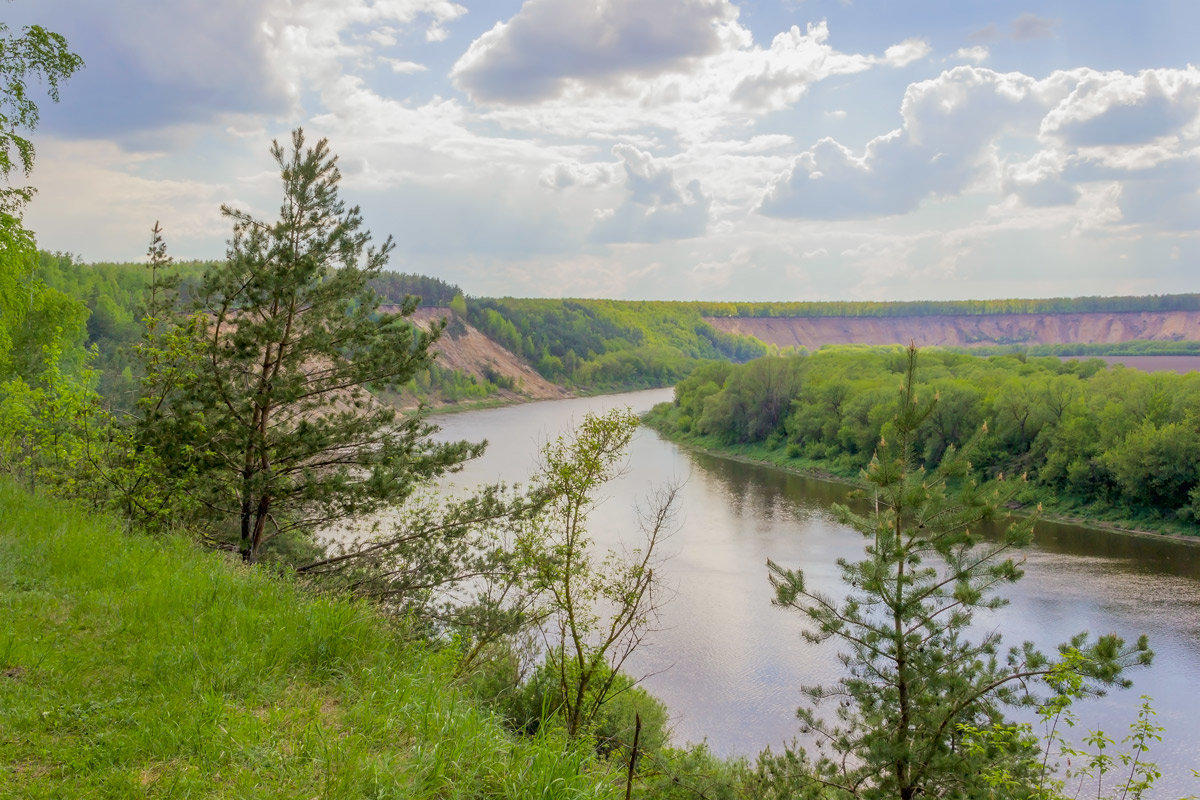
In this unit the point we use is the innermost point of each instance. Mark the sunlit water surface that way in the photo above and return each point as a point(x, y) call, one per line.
point(730, 666)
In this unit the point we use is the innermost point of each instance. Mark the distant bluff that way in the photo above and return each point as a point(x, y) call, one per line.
point(961, 330)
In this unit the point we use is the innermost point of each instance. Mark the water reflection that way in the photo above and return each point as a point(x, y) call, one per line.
point(730, 666)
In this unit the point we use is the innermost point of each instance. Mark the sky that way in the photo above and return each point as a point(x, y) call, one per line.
point(652, 149)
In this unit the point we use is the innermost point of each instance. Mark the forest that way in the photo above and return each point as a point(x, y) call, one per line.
point(585, 345)
point(1111, 443)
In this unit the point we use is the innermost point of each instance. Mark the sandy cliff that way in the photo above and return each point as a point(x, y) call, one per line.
point(473, 353)
point(958, 331)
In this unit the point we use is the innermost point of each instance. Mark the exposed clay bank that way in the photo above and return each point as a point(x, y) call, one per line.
point(966, 330)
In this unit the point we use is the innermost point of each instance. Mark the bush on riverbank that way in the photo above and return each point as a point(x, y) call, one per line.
point(1111, 444)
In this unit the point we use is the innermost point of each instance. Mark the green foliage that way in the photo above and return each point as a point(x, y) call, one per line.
point(537, 703)
point(278, 426)
point(597, 610)
point(116, 297)
point(44, 376)
point(1136, 347)
point(395, 288)
point(605, 344)
point(1113, 440)
point(35, 54)
point(1090, 770)
point(915, 673)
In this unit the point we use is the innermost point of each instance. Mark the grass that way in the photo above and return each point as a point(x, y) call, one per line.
point(132, 667)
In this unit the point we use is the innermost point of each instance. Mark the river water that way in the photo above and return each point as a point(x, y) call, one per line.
point(730, 666)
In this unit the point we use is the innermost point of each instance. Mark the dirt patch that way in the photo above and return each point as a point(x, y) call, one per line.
point(967, 330)
point(472, 353)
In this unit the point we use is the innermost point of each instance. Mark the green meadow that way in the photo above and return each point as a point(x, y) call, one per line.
point(140, 667)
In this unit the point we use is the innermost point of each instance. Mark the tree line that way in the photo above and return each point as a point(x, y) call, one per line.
point(606, 344)
point(1115, 442)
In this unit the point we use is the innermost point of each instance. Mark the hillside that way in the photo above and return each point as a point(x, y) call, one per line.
point(959, 330)
point(139, 667)
point(470, 352)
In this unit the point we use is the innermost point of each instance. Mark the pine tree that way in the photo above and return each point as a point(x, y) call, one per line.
point(279, 426)
point(916, 673)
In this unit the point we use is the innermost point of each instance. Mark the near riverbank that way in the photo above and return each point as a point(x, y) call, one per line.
point(139, 667)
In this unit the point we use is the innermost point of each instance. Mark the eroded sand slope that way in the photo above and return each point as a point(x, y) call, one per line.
point(966, 330)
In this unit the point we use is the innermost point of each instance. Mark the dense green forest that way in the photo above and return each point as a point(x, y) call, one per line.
point(589, 345)
point(606, 344)
point(1138, 347)
point(112, 299)
point(1114, 442)
point(586, 345)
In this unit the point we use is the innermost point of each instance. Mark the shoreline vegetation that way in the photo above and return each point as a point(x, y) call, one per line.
point(1110, 448)
point(762, 457)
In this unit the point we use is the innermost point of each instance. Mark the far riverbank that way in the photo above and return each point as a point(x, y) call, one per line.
point(778, 458)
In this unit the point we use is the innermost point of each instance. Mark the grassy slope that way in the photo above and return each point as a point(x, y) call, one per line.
point(139, 668)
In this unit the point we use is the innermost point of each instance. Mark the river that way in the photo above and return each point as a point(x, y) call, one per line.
point(730, 666)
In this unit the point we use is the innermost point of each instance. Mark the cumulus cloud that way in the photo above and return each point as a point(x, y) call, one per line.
point(777, 77)
point(551, 43)
point(565, 175)
point(187, 61)
point(195, 61)
point(906, 52)
point(1140, 133)
point(978, 54)
point(405, 67)
point(941, 149)
point(1114, 108)
point(1039, 181)
point(656, 207)
point(579, 77)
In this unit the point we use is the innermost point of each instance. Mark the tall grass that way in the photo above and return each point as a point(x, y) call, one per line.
point(132, 667)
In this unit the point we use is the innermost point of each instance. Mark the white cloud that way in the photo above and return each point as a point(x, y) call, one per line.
point(978, 54)
point(966, 130)
point(405, 67)
point(71, 175)
point(1039, 181)
point(906, 52)
point(551, 44)
point(656, 207)
point(519, 188)
point(1113, 108)
point(313, 44)
point(941, 149)
point(724, 82)
point(777, 77)
point(565, 175)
